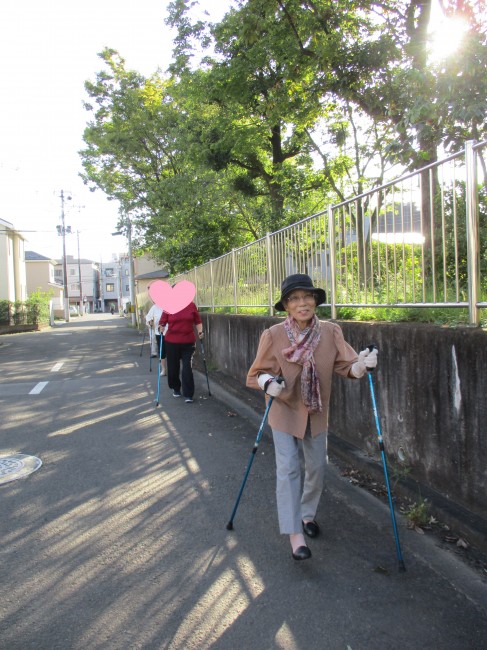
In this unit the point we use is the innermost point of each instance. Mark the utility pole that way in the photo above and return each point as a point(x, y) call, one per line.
point(128, 225)
point(133, 306)
point(81, 306)
point(102, 298)
point(120, 285)
point(62, 230)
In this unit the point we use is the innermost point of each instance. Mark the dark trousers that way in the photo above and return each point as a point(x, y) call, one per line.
point(160, 344)
point(177, 355)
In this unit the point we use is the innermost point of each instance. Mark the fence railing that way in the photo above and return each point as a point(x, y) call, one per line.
point(417, 241)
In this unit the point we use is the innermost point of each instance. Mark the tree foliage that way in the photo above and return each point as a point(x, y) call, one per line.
point(276, 111)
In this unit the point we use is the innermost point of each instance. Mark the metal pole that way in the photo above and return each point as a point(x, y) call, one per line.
point(102, 298)
point(212, 288)
point(132, 274)
point(473, 254)
point(332, 259)
point(120, 287)
point(270, 279)
point(234, 272)
point(81, 309)
point(65, 270)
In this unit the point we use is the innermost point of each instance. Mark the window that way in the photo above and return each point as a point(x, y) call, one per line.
point(109, 273)
point(126, 271)
point(110, 287)
point(72, 271)
point(127, 288)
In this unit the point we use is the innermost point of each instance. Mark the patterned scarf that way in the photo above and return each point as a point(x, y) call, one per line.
point(301, 351)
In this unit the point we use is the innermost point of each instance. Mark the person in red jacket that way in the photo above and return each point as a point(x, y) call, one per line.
point(180, 342)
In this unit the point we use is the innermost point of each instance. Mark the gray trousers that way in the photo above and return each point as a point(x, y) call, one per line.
point(293, 505)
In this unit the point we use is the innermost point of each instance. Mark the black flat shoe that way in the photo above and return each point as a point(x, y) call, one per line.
point(311, 528)
point(301, 553)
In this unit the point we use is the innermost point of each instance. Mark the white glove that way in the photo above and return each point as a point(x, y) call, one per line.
point(270, 385)
point(367, 359)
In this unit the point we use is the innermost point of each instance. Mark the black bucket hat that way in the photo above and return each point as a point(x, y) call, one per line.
point(299, 281)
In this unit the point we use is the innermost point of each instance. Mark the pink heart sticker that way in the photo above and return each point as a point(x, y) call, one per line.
point(172, 299)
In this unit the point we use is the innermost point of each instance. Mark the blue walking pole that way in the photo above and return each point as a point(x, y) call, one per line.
point(150, 348)
point(252, 456)
point(159, 373)
point(400, 559)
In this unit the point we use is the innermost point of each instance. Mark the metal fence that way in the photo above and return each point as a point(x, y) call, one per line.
point(413, 242)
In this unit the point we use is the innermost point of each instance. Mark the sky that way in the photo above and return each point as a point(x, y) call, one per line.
point(47, 51)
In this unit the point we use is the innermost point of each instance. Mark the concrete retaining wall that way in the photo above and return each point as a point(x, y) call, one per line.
point(16, 329)
point(431, 391)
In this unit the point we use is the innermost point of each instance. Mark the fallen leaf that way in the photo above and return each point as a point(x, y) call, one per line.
point(462, 543)
point(231, 414)
point(419, 530)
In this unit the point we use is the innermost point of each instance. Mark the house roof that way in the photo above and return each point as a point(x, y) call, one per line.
point(6, 225)
point(74, 260)
point(153, 275)
point(32, 256)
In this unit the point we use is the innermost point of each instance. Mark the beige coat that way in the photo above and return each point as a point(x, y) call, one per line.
point(288, 412)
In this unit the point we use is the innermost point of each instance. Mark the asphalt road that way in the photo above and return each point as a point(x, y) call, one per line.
point(119, 540)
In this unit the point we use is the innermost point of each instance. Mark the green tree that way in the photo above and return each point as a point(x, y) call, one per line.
point(139, 152)
point(281, 108)
point(257, 131)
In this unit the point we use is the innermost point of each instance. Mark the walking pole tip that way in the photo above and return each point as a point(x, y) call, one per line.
point(230, 525)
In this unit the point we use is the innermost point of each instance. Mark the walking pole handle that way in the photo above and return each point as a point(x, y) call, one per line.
point(371, 346)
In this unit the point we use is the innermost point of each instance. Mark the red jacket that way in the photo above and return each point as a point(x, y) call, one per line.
point(181, 325)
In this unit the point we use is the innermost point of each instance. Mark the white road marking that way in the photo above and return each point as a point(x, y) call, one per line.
point(57, 367)
point(38, 387)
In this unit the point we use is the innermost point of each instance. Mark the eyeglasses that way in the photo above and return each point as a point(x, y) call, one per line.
point(295, 298)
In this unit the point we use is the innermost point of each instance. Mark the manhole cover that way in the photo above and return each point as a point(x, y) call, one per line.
point(17, 466)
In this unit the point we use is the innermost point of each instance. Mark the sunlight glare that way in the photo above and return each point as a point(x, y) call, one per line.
point(445, 36)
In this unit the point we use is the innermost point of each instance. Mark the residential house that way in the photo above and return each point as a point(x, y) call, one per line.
point(13, 281)
point(146, 271)
point(40, 273)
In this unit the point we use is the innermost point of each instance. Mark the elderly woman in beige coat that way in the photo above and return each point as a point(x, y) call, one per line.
point(305, 352)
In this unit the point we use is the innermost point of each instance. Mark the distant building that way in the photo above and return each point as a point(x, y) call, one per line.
point(85, 296)
point(115, 284)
